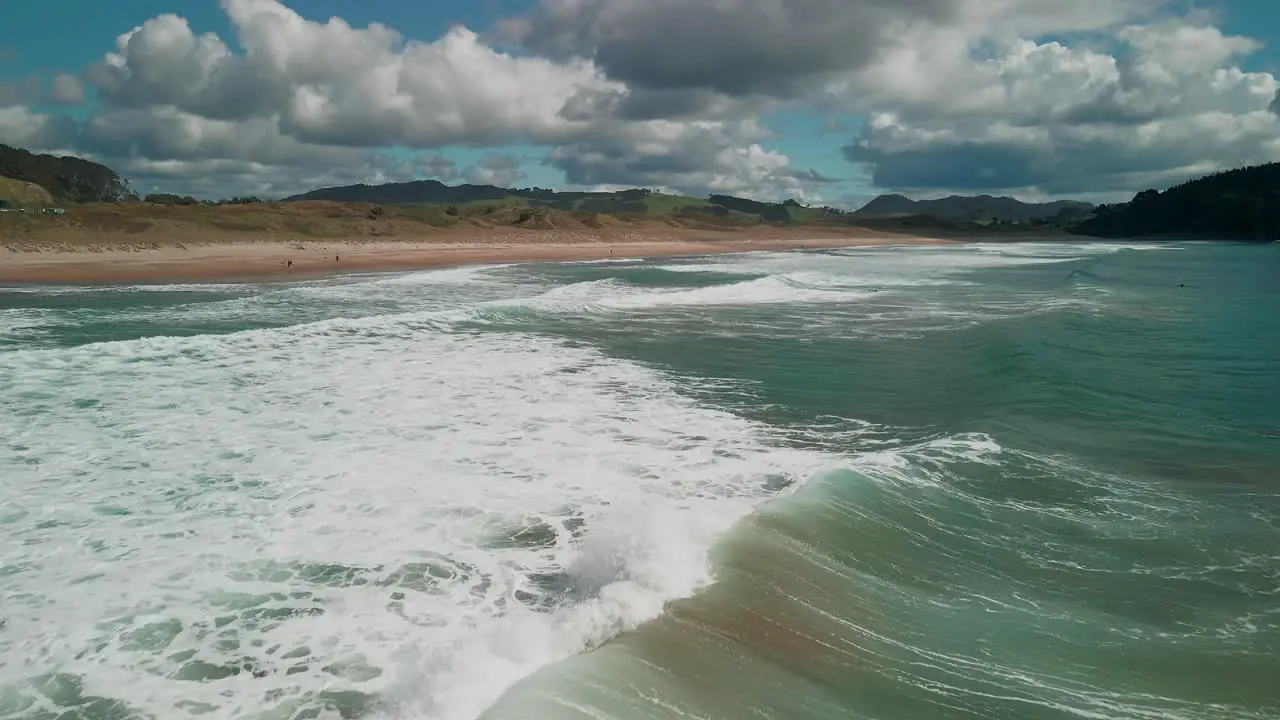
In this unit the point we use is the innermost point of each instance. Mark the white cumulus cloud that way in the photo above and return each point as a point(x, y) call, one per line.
point(1045, 116)
point(959, 95)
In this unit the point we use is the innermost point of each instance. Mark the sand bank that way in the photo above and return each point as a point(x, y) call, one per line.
point(270, 258)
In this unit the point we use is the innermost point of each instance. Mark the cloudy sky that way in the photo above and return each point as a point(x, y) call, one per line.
point(827, 101)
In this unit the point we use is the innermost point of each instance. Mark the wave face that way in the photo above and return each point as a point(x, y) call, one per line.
point(989, 481)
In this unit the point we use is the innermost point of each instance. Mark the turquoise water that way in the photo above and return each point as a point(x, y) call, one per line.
point(981, 481)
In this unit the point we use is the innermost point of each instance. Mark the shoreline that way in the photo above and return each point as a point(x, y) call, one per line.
point(268, 259)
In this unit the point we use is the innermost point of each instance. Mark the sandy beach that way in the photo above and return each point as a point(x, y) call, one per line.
point(108, 259)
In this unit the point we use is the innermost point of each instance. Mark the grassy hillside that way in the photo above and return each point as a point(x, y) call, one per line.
point(360, 210)
point(98, 201)
point(140, 224)
point(660, 204)
point(24, 194)
point(310, 220)
point(712, 211)
point(652, 204)
point(715, 210)
point(65, 178)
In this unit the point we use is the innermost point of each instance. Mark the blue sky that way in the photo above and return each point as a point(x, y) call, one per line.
point(831, 111)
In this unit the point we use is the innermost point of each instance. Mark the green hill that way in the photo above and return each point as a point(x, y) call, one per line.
point(716, 209)
point(433, 192)
point(1241, 204)
point(65, 178)
point(974, 208)
point(24, 194)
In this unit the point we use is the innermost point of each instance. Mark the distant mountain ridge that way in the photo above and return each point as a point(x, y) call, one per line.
point(66, 178)
point(1241, 204)
point(956, 208)
point(974, 208)
point(437, 193)
point(636, 201)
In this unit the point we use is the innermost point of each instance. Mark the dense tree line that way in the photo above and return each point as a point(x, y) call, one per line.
point(768, 212)
point(66, 178)
point(976, 208)
point(172, 199)
point(1240, 204)
point(435, 192)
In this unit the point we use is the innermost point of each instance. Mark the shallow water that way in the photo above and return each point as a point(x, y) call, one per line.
point(989, 481)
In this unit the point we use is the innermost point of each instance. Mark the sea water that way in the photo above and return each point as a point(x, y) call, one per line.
point(973, 481)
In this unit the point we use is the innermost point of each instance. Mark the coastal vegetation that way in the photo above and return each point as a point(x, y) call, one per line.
point(66, 178)
point(635, 203)
point(977, 208)
point(952, 212)
point(1240, 204)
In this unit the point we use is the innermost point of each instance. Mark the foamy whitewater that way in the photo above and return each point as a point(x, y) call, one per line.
point(566, 490)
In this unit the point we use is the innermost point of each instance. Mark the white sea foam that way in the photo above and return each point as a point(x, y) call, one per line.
point(378, 502)
point(466, 275)
point(821, 269)
point(20, 323)
point(611, 294)
point(910, 266)
point(1072, 249)
point(606, 261)
point(54, 290)
point(368, 504)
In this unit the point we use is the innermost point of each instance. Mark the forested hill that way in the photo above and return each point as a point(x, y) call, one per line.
point(974, 208)
point(638, 201)
point(66, 178)
point(418, 191)
point(1242, 204)
point(437, 193)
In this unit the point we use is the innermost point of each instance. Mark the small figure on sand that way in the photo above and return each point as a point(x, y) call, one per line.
point(289, 265)
point(337, 259)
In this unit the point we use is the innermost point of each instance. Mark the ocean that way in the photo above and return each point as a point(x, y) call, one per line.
point(982, 481)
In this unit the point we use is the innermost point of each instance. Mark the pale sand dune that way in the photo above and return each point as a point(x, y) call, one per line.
point(212, 257)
